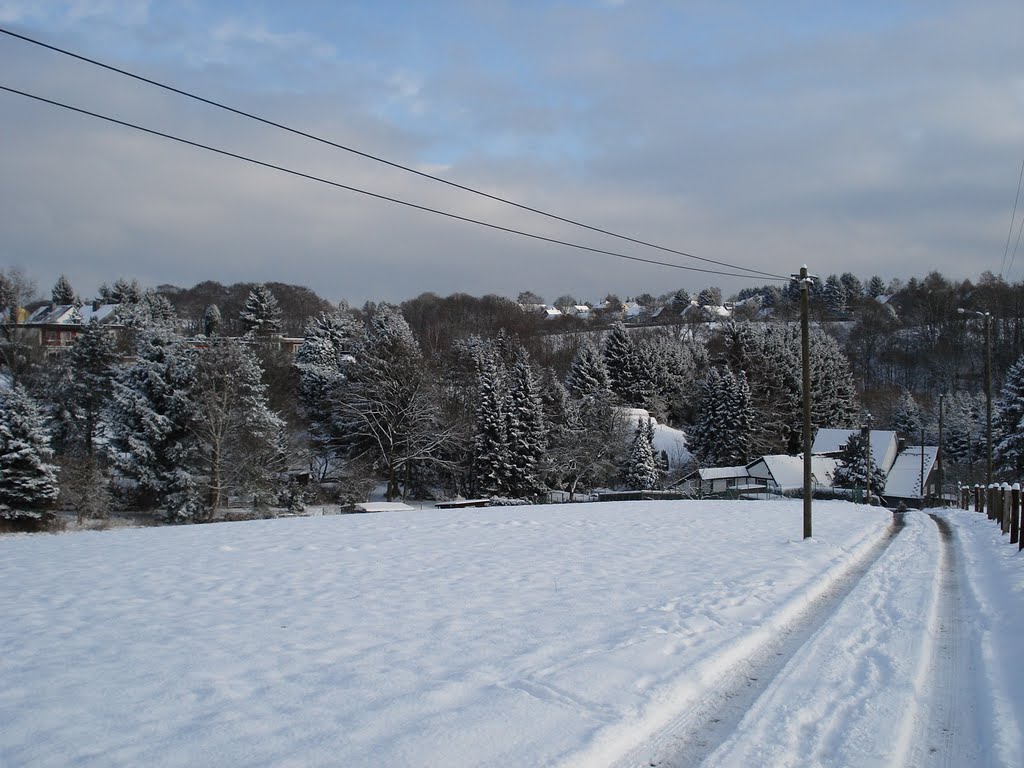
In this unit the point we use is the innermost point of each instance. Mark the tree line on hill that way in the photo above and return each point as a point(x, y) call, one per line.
point(194, 403)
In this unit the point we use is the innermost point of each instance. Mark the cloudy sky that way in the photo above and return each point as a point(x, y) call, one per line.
point(876, 137)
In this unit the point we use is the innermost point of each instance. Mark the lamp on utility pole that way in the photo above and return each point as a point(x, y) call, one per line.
point(805, 281)
point(987, 316)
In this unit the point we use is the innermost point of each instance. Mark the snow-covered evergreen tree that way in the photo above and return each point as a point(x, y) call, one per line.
point(28, 481)
point(386, 406)
point(642, 470)
point(239, 437)
point(588, 373)
point(1008, 423)
point(680, 301)
point(527, 429)
point(907, 418)
point(853, 287)
point(852, 468)
point(261, 314)
point(834, 295)
point(211, 320)
point(710, 297)
point(149, 423)
point(876, 287)
point(722, 434)
point(330, 339)
point(63, 293)
point(630, 371)
point(124, 291)
point(84, 389)
point(492, 462)
point(161, 311)
point(963, 432)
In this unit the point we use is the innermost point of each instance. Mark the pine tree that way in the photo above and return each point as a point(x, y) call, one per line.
point(852, 469)
point(1008, 423)
point(588, 373)
point(63, 293)
point(642, 470)
point(834, 296)
point(238, 436)
point(907, 418)
point(852, 286)
point(722, 434)
point(124, 292)
point(85, 388)
point(710, 297)
point(680, 301)
point(28, 481)
point(387, 407)
point(491, 462)
point(159, 307)
point(876, 287)
point(149, 423)
point(527, 429)
point(326, 352)
point(261, 314)
point(211, 320)
point(630, 372)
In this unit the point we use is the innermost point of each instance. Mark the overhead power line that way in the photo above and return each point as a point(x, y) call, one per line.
point(1013, 217)
point(378, 159)
point(368, 193)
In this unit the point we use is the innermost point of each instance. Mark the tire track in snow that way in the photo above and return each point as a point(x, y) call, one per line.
point(696, 733)
point(948, 728)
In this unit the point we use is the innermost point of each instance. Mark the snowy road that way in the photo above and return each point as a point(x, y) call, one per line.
point(884, 670)
point(653, 633)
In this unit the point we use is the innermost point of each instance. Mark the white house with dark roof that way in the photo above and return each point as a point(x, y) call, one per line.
point(884, 445)
point(55, 326)
point(910, 478)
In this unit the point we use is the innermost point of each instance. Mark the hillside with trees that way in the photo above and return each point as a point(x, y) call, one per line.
point(195, 399)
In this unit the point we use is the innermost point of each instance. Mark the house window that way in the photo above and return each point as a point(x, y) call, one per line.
point(51, 338)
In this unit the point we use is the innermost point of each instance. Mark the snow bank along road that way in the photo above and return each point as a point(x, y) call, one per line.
point(661, 633)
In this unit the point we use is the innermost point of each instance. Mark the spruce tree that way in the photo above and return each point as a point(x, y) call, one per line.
point(876, 287)
point(834, 296)
point(907, 418)
point(28, 481)
point(85, 388)
point(588, 373)
point(852, 469)
point(527, 429)
point(642, 469)
point(491, 462)
point(1008, 423)
point(150, 420)
point(63, 293)
point(239, 438)
point(211, 320)
point(261, 314)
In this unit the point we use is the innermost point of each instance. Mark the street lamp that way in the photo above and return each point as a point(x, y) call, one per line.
point(988, 387)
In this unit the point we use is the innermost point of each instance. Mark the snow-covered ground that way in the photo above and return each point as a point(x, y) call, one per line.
point(641, 633)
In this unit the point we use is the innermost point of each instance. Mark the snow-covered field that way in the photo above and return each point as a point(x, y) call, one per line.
point(576, 635)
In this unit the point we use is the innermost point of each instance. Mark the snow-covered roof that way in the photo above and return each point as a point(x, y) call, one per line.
point(883, 444)
point(904, 479)
point(632, 309)
point(667, 440)
point(788, 471)
point(722, 473)
point(69, 314)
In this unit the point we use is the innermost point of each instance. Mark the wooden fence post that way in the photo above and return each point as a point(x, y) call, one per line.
point(1015, 514)
point(1004, 507)
point(977, 498)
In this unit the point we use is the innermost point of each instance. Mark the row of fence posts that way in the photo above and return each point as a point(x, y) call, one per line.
point(1001, 502)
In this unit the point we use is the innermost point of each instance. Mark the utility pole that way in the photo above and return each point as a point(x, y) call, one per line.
point(865, 433)
point(805, 351)
point(922, 467)
point(942, 498)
